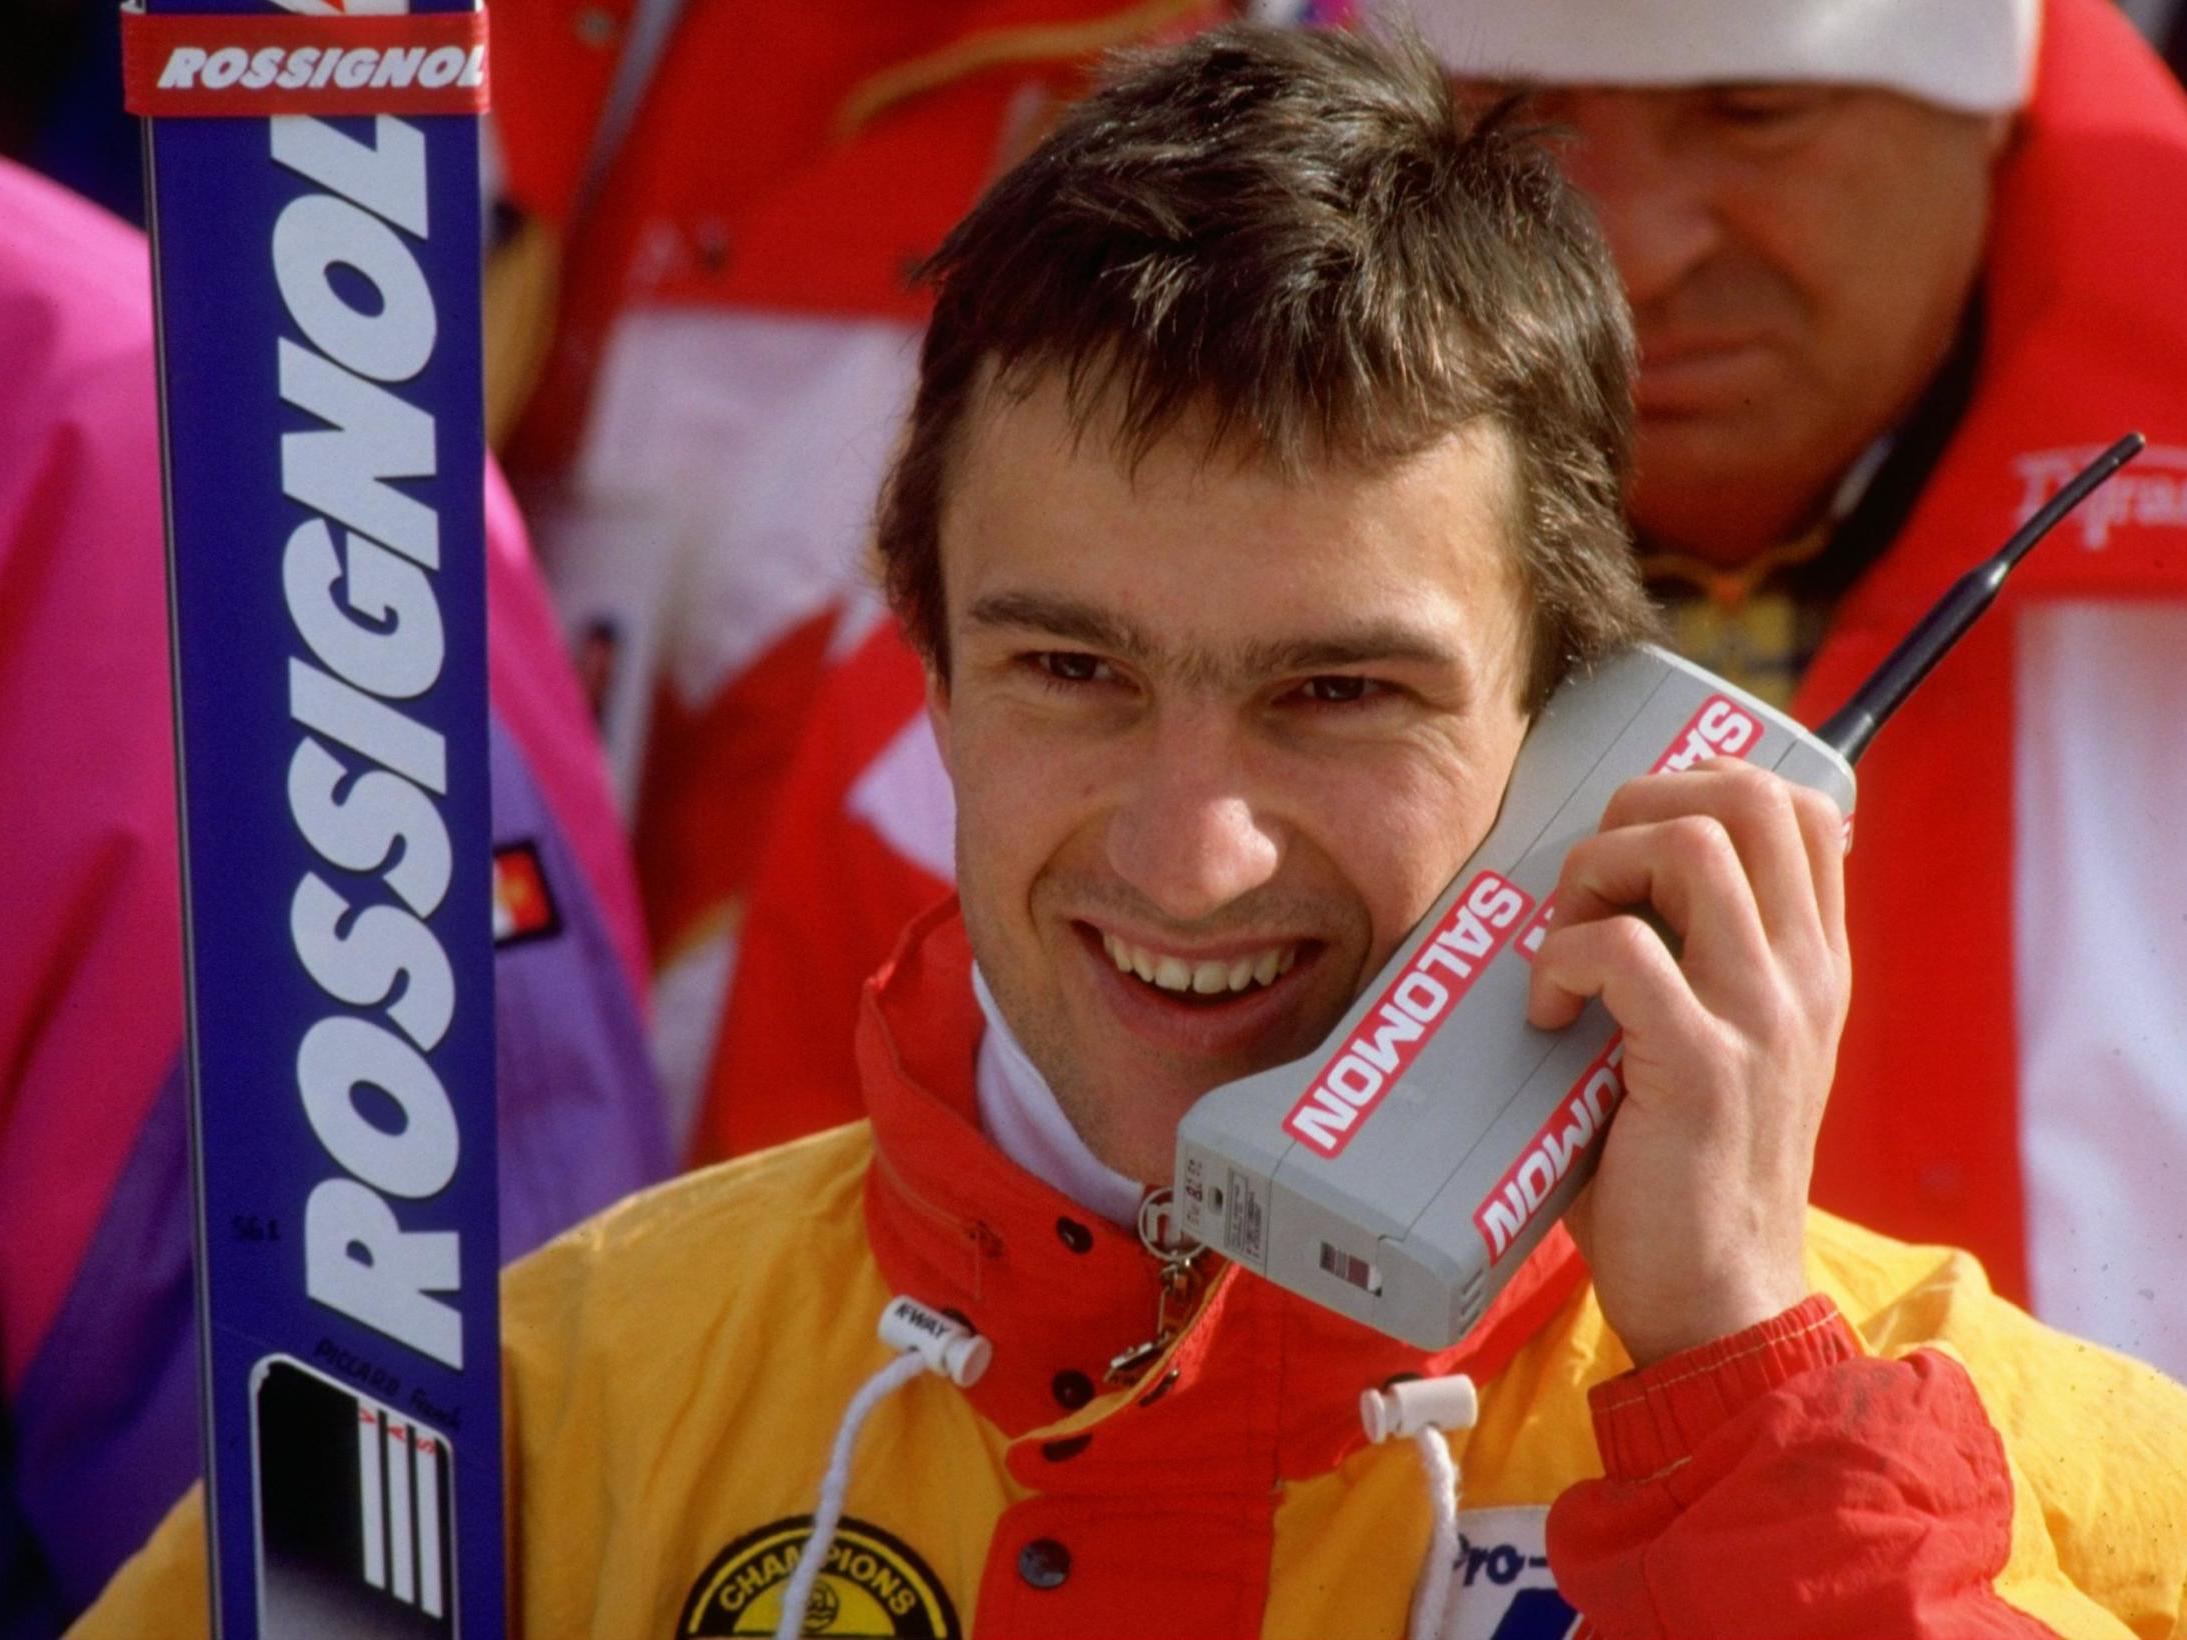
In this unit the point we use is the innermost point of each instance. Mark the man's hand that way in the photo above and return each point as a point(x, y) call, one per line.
point(1694, 1223)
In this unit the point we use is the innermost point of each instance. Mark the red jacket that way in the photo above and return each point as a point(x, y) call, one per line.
point(2009, 1078)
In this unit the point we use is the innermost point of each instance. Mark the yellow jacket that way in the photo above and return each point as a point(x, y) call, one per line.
point(1904, 1453)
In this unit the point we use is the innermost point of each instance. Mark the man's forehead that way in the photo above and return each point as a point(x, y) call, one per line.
point(1017, 424)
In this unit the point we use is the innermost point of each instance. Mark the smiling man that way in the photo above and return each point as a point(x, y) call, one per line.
point(1262, 483)
point(1217, 671)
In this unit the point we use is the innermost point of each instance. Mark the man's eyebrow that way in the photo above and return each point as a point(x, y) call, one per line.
point(1375, 643)
point(1369, 643)
point(1062, 618)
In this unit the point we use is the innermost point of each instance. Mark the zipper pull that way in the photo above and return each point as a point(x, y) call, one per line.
point(1159, 1235)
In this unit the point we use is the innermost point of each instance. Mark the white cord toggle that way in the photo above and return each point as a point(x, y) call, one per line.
point(955, 1351)
point(1414, 1404)
point(1423, 1408)
point(929, 1342)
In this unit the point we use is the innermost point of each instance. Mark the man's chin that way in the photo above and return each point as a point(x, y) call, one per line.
point(1132, 1129)
point(1715, 485)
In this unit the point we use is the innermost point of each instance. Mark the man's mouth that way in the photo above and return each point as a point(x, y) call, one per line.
point(1695, 374)
point(1213, 978)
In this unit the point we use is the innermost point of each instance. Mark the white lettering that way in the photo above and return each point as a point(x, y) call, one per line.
point(359, 957)
point(342, 1053)
point(1726, 728)
point(344, 472)
point(359, 1261)
point(1380, 1048)
point(181, 68)
point(1352, 1079)
point(1495, 902)
point(396, 651)
point(350, 717)
point(1562, 1147)
point(1324, 1121)
point(1536, 1179)
point(387, 178)
point(1420, 995)
point(1693, 750)
point(1467, 936)
point(224, 68)
point(1602, 1091)
point(442, 68)
point(316, 233)
point(1502, 1221)
point(379, 640)
point(356, 829)
point(399, 66)
point(265, 63)
point(357, 67)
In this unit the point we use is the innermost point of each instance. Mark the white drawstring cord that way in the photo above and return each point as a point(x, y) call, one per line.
point(1431, 1595)
point(930, 1342)
point(1423, 1408)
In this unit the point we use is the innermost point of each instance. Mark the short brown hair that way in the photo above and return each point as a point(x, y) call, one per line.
point(1306, 235)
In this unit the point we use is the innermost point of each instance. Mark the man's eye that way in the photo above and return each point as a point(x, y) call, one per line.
point(1069, 666)
point(1341, 689)
point(1771, 107)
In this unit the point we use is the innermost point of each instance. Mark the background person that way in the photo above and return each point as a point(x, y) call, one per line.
point(1894, 271)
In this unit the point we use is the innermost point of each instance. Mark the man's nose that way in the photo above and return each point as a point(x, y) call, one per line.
point(1190, 835)
point(1650, 188)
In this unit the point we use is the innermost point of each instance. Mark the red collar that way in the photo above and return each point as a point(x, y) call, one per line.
point(957, 1225)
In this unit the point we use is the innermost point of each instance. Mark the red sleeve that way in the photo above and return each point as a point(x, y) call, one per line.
point(828, 904)
point(1782, 1482)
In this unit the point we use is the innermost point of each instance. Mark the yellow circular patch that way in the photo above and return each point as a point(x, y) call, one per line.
point(874, 1586)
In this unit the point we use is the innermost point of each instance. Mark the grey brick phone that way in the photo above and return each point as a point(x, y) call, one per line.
point(1405, 1169)
point(1401, 1172)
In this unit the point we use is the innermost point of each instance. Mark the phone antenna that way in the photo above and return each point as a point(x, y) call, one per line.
point(1856, 723)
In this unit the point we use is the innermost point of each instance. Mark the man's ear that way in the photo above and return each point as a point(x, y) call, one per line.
point(937, 714)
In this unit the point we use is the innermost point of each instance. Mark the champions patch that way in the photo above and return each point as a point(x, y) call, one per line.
point(874, 1586)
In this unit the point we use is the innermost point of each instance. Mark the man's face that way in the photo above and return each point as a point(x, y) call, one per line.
point(1218, 739)
point(1798, 258)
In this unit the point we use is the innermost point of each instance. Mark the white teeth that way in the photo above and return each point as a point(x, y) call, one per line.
point(1209, 978)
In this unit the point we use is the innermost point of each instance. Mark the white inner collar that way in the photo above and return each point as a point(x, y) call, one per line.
point(1019, 1112)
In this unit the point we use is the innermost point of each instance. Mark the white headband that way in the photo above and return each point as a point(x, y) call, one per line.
point(1974, 55)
